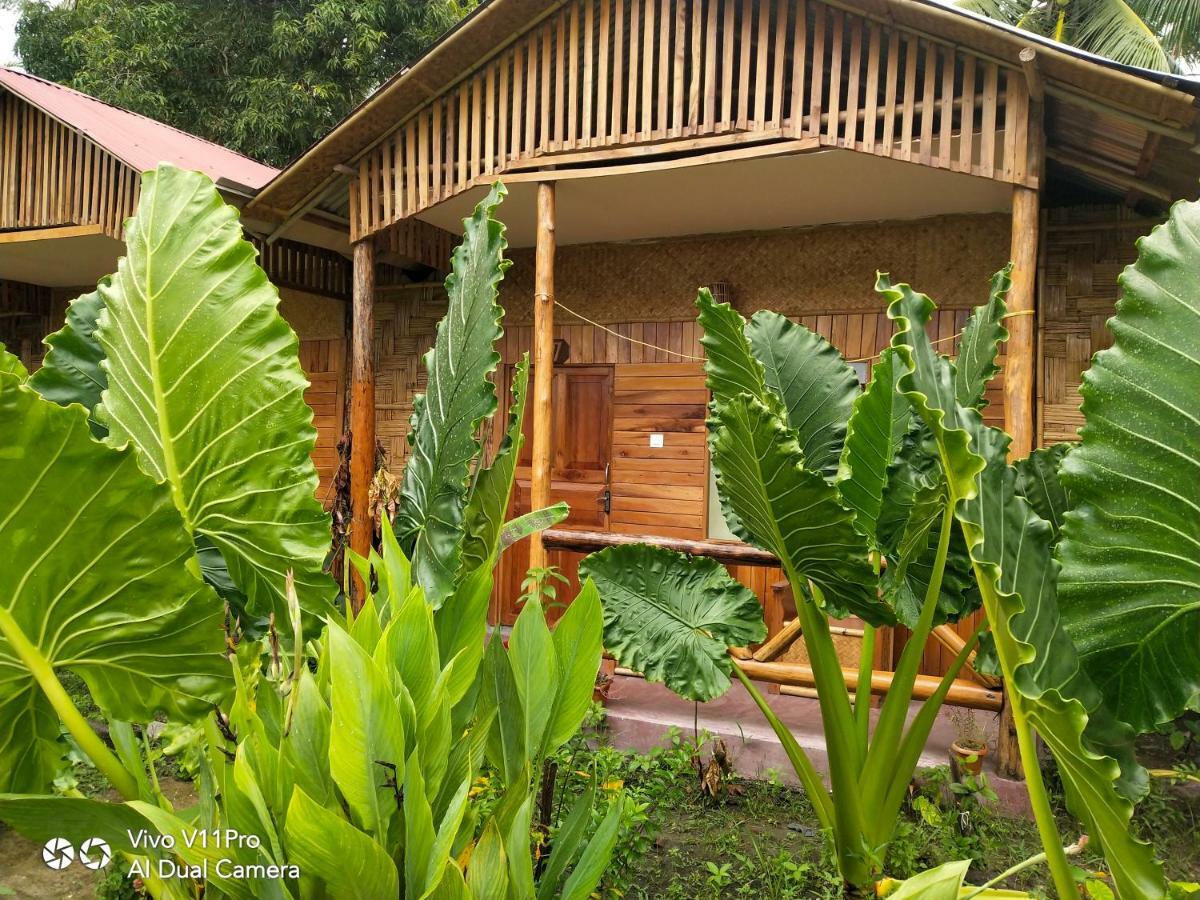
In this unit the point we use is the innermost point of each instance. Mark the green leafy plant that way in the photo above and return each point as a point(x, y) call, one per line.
point(1086, 671)
point(834, 482)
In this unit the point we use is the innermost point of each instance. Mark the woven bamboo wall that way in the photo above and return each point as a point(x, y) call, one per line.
point(794, 271)
point(1084, 250)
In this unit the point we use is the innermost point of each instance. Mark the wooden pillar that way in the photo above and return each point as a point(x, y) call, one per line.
point(543, 359)
point(1021, 365)
point(362, 405)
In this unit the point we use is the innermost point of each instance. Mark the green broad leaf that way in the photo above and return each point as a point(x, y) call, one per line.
point(1131, 566)
point(461, 626)
point(460, 395)
point(39, 818)
point(730, 366)
point(448, 829)
point(577, 640)
point(516, 847)
point(817, 386)
point(72, 371)
point(567, 841)
point(408, 650)
point(305, 747)
point(331, 851)
point(499, 698)
point(534, 662)
point(10, 365)
point(532, 522)
point(451, 886)
point(1010, 547)
point(487, 871)
point(419, 834)
point(491, 495)
point(596, 856)
point(395, 568)
point(786, 509)
point(209, 855)
point(673, 617)
point(875, 434)
point(1038, 482)
point(81, 590)
point(979, 344)
point(366, 740)
point(205, 382)
point(942, 883)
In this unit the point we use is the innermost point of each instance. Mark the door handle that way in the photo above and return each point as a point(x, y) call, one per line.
point(606, 497)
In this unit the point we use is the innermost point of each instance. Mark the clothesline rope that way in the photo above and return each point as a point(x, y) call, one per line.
point(625, 337)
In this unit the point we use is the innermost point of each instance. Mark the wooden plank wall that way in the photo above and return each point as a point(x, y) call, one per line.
point(659, 490)
point(51, 175)
point(598, 81)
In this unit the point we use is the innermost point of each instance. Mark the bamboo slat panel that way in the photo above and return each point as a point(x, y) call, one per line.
point(314, 270)
point(51, 175)
point(599, 81)
point(1084, 250)
point(324, 362)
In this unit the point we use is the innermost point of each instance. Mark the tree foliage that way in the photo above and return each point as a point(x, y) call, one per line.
point(266, 78)
point(1153, 34)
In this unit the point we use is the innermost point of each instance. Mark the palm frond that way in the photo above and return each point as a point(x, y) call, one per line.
point(1177, 24)
point(1010, 12)
point(1112, 28)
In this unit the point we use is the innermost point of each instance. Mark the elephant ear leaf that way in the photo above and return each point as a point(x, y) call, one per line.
point(979, 343)
point(71, 371)
point(1010, 548)
point(673, 617)
point(205, 382)
point(817, 386)
point(874, 437)
point(1038, 481)
point(80, 590)
point(10, 365)
point(1131, 572)
point(460, 395)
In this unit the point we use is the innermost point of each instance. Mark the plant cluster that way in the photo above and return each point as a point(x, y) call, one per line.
point(897, 504)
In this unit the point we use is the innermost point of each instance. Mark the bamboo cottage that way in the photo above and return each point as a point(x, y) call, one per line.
point(778, 151)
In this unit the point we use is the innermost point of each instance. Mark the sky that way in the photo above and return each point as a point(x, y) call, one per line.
point(8, 34)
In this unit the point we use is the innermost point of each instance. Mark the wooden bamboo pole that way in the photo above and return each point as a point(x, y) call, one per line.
point(1020, 369)
point(543, 359)
point(592, 541)
point(362, 405)
point(962, 692)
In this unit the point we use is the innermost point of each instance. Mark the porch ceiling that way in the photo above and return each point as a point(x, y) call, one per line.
point(59, 261)
point(819, 188)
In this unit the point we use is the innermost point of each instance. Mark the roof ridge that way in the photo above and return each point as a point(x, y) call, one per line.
point(78, 93)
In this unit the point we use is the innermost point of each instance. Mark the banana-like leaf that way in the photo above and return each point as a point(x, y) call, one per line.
point(10, 365)
point(460, 396)
point(1011, 551)
point(535, 670)
point(577, 639)
point(487, 507)
point(71, 371)
point(673, 617)
point(1038, 482)
point(567, 841)
point(875, 433)
point(786, 509)
point(487, 872)
point(532, 522)
point(946, 882)
point(94, 580)
point(205, 382)
point(330, 850)
point(500, 700)
point(977, 349)
point(817, 386)
point(1131, 544)
point(586, 875)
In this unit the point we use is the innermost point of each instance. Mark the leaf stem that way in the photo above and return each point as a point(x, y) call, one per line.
point(89, 742)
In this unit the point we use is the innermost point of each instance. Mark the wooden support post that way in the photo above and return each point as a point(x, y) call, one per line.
point(543, 360)
point(362, 406)
point(1020, 369)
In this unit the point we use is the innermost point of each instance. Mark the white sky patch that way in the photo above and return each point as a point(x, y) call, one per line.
point(8, 35)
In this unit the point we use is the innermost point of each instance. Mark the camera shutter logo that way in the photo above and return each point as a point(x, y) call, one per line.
point(57, 853)
point(95, 853)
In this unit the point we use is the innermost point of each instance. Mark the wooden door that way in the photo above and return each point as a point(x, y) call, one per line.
point(580, 446)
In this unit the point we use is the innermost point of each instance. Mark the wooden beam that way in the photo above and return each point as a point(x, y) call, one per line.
point(961, 693)
point(362, 406)
point(1110, 175)
point(49, 234)
point(723, 552)
point(1033, 75)
point(543, 360)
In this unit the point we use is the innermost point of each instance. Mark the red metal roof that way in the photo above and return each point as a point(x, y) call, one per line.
point(138, 141)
